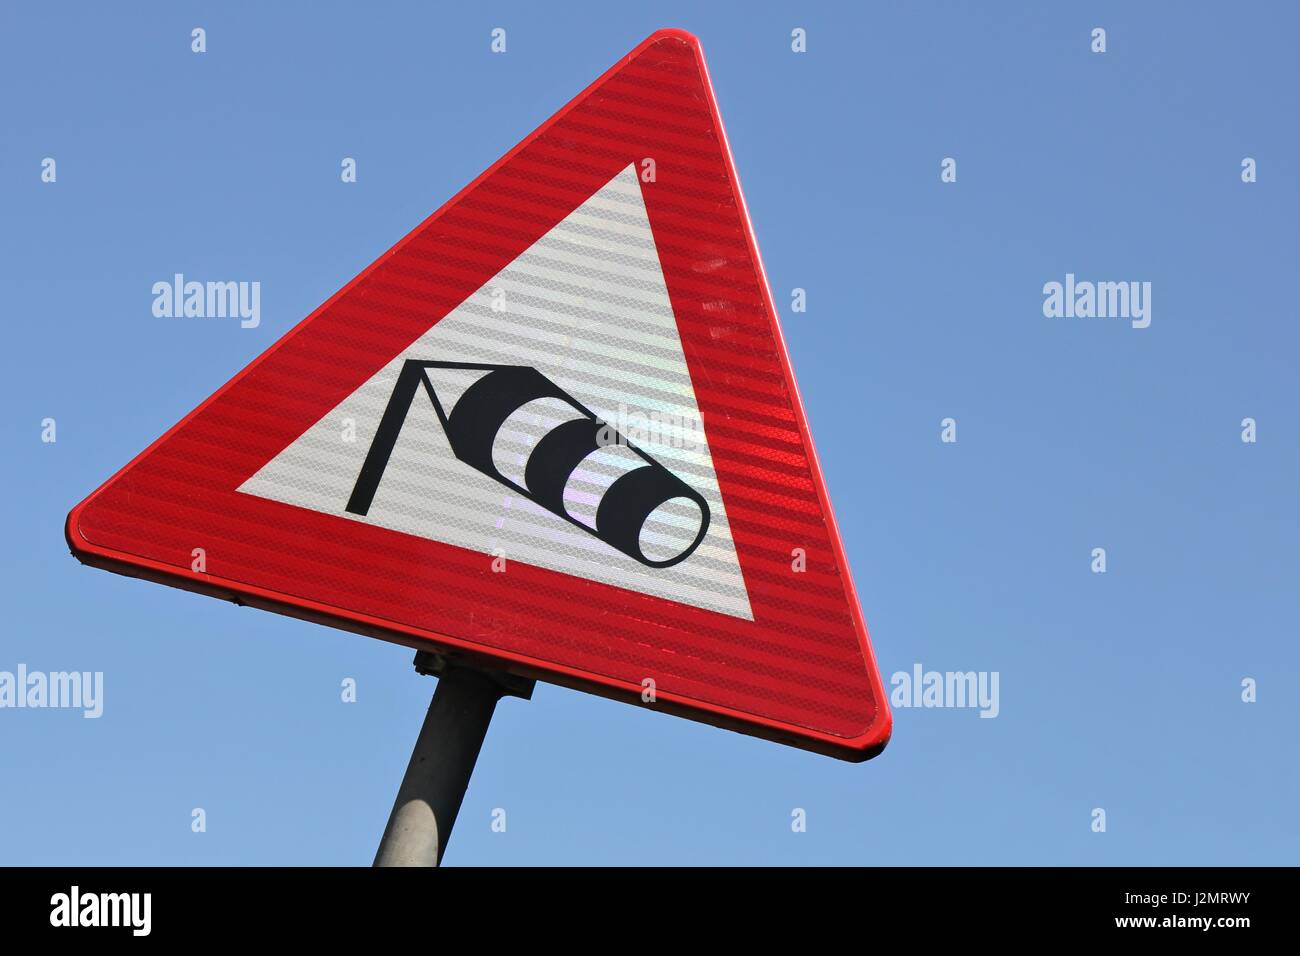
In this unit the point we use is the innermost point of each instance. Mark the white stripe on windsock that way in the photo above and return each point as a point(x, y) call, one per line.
point(517, 438)
point(588, 482)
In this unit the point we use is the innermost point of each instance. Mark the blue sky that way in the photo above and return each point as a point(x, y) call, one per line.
point(1119, 690)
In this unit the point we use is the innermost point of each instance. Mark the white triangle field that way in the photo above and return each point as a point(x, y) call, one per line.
point(587, 307)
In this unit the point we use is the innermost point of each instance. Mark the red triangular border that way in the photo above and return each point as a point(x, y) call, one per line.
point(802, 672)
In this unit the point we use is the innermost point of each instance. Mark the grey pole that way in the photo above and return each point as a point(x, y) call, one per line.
point(443, 760)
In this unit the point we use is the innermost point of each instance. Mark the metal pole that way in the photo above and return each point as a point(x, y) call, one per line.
point(442, 761)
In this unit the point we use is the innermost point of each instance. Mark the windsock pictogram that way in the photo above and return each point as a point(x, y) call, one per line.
point(516, 426)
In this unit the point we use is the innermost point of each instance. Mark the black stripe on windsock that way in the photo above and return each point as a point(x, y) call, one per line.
point(472, 427)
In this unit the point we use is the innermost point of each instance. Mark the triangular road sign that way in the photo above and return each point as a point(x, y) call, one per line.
point(553, 431)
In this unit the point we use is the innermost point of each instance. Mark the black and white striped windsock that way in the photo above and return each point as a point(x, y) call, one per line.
point(516, 426)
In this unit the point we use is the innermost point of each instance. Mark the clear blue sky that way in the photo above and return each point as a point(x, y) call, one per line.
point(1119, 691)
